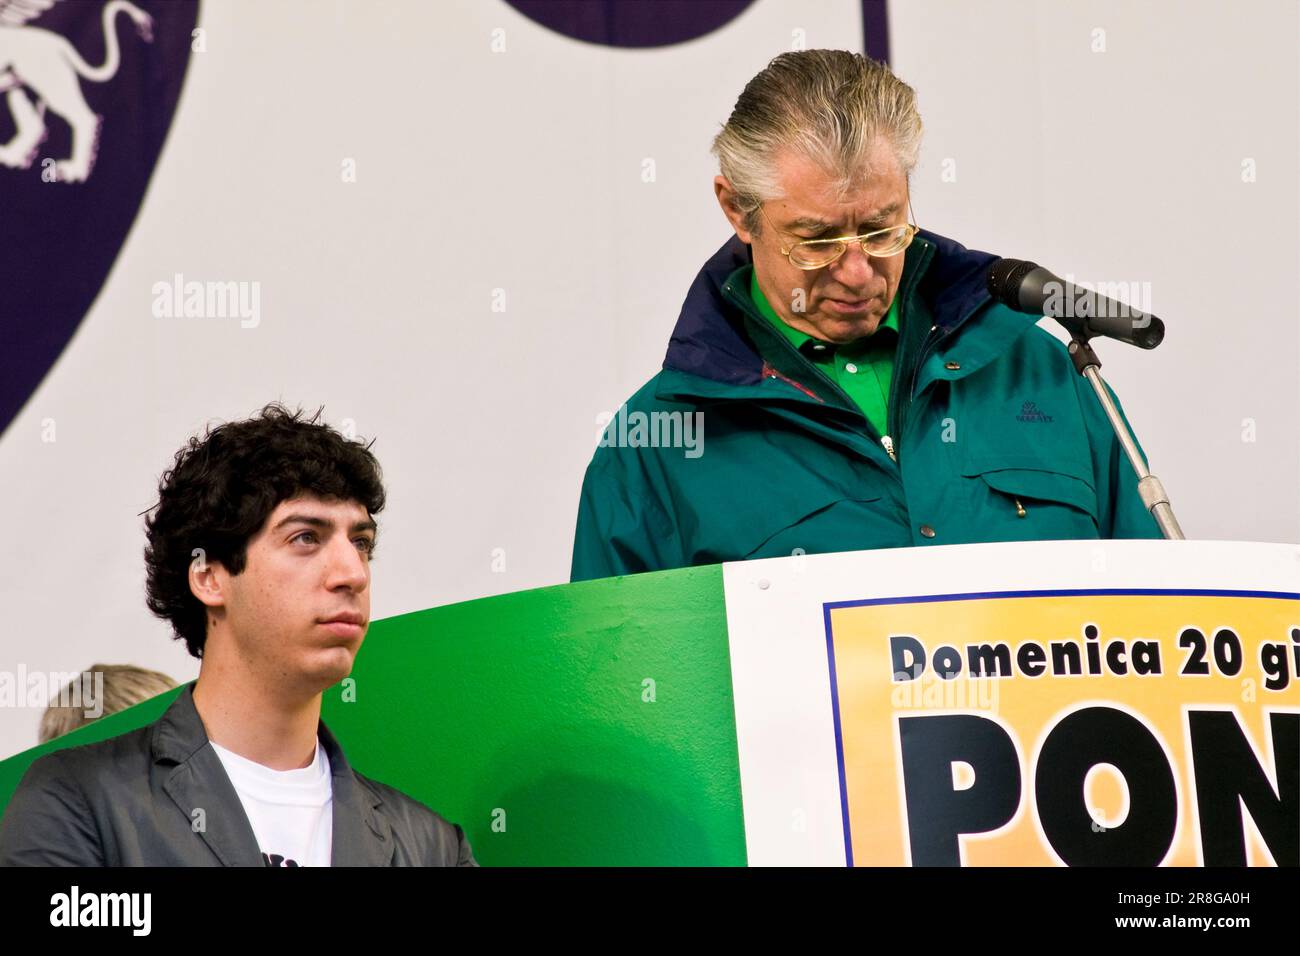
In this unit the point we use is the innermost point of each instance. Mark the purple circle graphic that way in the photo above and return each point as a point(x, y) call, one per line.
point(632, 23)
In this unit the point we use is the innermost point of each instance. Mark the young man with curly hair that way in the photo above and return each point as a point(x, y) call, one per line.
point(259, 556)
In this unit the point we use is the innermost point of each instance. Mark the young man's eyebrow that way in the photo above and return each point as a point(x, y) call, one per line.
point(316, 522)
point(311, 520)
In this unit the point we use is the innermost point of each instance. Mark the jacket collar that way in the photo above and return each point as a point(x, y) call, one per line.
point(711, 341)
point(199, 786)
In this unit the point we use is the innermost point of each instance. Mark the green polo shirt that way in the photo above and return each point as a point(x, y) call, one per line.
point(863, 368)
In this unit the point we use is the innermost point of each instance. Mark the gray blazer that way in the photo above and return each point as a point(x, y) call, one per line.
point(134, 800)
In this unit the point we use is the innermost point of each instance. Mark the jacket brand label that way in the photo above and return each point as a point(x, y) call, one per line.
point(1029, 412)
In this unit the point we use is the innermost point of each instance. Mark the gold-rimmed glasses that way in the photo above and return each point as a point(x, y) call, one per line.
point(819, 253)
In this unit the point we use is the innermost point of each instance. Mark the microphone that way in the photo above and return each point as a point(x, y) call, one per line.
point(1028, 287)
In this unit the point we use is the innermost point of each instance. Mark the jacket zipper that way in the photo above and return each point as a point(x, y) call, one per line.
point(885, 440)
point(897, 407)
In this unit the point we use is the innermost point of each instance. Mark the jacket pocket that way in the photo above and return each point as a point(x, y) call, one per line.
point(1057, 503)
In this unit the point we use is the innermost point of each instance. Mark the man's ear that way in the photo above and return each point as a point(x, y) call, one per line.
point(207, 580)
point(727, 200)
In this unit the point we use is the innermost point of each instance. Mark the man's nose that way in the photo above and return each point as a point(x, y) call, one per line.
point(347, 566)
point(854, 269)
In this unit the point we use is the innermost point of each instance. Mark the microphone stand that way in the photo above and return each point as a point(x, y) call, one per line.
point(1150, 489)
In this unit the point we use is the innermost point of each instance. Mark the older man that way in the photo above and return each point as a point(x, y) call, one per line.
point(857, 386)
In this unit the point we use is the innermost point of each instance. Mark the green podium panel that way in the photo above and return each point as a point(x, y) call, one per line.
point(584, 724)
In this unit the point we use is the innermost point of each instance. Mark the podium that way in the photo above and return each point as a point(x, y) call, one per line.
point(1042, 704)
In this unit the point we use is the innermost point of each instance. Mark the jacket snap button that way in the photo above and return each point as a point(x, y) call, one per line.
point(927, 531)
point(952, 366)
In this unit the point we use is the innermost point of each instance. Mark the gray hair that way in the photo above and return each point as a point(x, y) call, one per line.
point(831, 107)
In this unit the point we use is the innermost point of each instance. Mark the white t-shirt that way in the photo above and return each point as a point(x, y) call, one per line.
point(292, 811)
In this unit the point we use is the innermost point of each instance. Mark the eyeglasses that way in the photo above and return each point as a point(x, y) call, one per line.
point(819, 253)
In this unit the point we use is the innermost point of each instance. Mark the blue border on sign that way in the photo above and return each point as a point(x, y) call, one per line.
point(829, 606)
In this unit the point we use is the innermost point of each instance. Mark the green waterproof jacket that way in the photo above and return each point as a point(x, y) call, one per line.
point(742, 448)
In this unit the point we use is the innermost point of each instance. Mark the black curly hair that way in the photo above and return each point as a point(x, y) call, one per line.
point(224, 485)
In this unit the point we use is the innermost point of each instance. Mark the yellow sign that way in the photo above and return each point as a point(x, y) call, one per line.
point(1069, 727)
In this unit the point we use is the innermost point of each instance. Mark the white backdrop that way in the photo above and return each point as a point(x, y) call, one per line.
point(516, 177)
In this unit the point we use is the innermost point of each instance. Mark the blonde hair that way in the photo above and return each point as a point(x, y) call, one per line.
point(830, 106)
point(124, 685)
